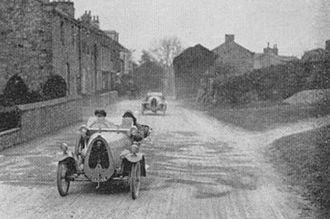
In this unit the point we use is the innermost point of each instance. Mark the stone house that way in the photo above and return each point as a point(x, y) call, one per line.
point(40, 38)
point(189, 68)
point(232, 53)
point(317, 55)
point(243, 60)
point(271, 57)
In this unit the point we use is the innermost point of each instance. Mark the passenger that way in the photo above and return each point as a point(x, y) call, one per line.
point(142, 130)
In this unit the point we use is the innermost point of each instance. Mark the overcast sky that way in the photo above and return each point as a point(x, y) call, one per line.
point(295, 25)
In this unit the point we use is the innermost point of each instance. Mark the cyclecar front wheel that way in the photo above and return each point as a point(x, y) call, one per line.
point(135, 180)
point(63, 183)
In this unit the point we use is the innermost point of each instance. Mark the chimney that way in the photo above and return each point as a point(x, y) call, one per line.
point(267, 49)
point(229, 38)
point(275, 49)
point(327, 45)
point(96, 22)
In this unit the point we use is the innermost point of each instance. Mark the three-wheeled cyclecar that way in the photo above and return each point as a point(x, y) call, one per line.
point(103, 154)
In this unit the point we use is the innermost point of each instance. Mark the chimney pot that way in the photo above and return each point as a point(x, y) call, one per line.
point(327, 45)
point(229, 38)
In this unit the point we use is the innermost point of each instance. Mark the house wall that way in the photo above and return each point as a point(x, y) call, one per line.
point(39, 38)
point(189, 68)
point(236, 56)
point(65, 50)
point(266, 60)
point(25, 43)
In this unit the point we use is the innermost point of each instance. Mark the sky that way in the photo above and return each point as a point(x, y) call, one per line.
point(294, 25)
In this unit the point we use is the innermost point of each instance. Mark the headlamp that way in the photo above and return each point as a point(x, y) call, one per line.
point(133, 131)
point(135, 148)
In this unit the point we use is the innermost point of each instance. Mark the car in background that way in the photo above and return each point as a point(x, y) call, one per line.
point(154, 102)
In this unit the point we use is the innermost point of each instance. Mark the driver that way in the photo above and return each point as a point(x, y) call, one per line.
point(100, 120)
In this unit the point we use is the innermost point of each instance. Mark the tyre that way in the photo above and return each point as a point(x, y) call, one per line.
point(63, 183)
point(135, 180)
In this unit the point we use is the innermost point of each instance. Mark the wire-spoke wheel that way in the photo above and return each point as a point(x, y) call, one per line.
point(135, 180)
point(63, 183)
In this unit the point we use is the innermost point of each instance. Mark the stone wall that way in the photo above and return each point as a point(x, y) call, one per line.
point(41, 118)
point(9, 138)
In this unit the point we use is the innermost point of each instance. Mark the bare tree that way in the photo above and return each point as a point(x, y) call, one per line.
point(164, 51)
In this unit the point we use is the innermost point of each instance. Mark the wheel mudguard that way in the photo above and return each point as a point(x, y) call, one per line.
point(70, 163)
point(130, 158)
point(134, 158)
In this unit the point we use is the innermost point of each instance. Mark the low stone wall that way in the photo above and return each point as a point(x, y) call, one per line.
point(41, 118)
point(309, 97)
point(9, 138)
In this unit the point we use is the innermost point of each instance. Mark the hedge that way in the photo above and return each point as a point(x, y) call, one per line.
point(274, 83)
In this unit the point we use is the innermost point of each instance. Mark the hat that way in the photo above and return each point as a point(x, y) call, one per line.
point(100, 112)
point(130, 114)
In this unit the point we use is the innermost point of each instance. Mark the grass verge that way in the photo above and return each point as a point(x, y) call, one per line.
point(304, 159)
point(263, 116)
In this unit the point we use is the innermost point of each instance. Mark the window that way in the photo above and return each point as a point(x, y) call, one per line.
point(105, 77)
point(73, 35)
point(112, 81)
point(62, 33)
point(68, 77)
point(109, 81)
point(84, 47)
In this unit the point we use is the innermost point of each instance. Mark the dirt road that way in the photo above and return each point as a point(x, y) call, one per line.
point(198, 168)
